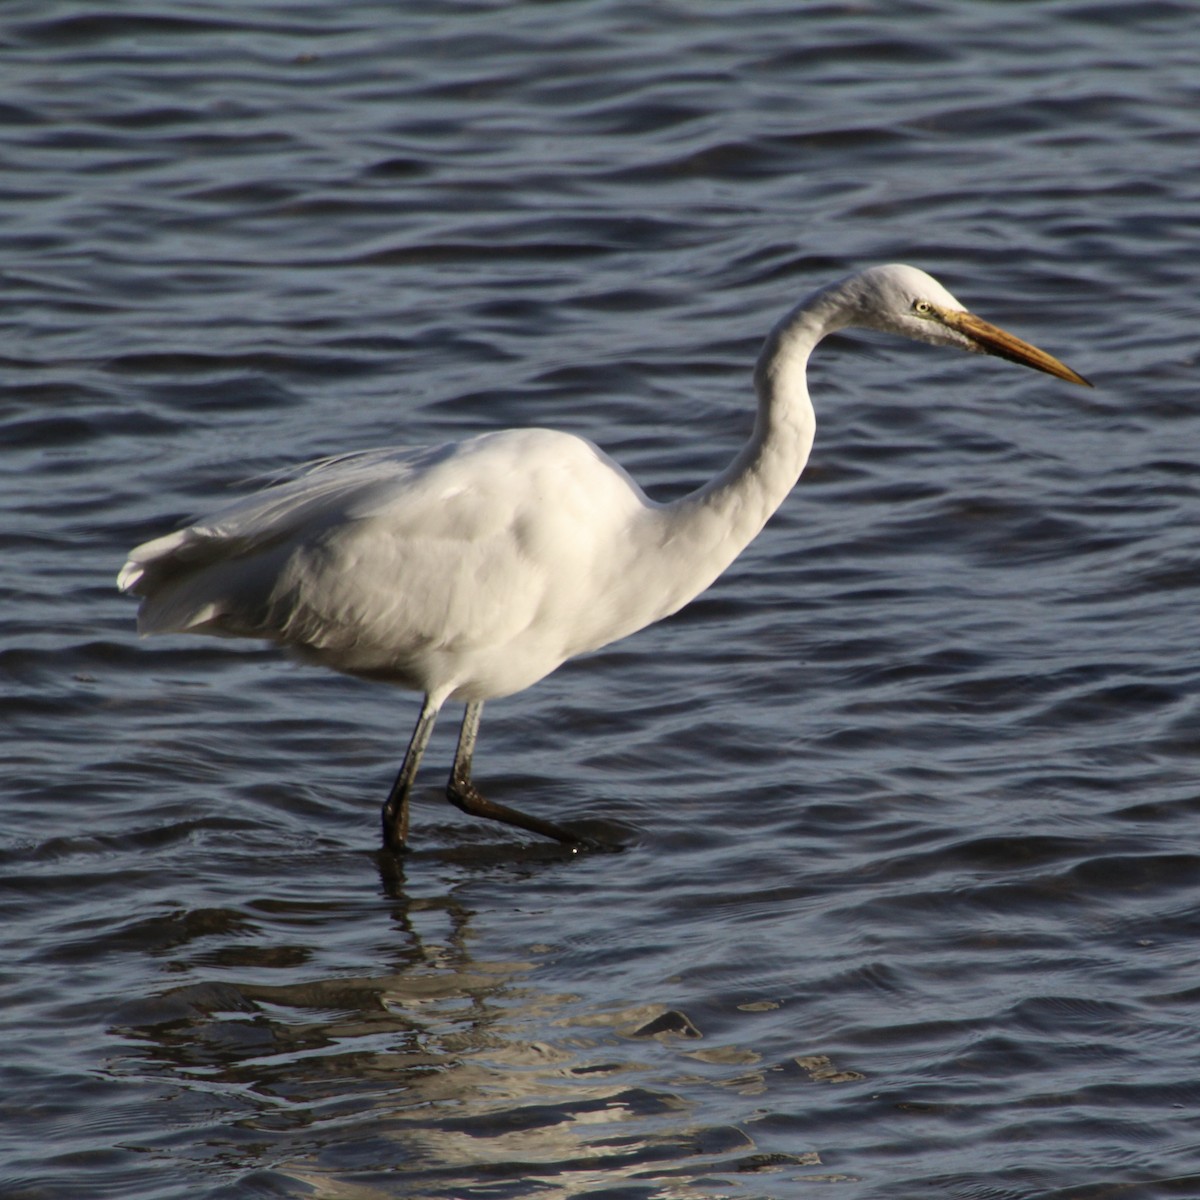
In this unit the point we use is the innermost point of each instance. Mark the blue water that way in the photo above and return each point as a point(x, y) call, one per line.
point(910, 895)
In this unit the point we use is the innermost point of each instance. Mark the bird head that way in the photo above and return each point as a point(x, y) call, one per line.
point(906, 301)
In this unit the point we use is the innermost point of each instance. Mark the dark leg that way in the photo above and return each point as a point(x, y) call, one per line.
point(463, 794)
point(395, 810)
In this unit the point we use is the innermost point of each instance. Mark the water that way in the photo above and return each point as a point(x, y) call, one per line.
point(909, 901)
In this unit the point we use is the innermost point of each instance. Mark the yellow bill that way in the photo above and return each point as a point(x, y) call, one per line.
point(990, 339)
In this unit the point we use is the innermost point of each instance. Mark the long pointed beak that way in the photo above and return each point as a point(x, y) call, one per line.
point(990, 339)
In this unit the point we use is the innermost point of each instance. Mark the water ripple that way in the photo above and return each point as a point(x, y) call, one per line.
point(907, 902)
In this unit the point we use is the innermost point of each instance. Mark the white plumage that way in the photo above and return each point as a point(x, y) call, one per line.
point(470, 570)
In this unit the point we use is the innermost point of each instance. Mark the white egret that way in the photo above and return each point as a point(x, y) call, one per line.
point(470, 570)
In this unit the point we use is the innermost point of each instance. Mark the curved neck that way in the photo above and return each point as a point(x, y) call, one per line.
point(669, 553)
point(735, 505)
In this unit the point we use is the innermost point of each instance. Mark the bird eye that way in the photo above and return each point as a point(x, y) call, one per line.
point(922, 308)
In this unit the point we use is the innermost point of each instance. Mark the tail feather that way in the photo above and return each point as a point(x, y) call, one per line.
point(147, 560)
point(194, 580)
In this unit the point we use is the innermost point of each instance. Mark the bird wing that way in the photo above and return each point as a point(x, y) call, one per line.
point(376, 560)
point(319, 495)
point(481, 559)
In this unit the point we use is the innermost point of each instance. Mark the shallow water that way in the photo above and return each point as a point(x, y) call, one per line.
point(909, 899)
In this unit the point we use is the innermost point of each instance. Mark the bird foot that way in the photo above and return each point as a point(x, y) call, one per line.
point(466, 797)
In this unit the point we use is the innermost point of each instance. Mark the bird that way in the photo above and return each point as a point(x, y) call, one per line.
point(468, 571)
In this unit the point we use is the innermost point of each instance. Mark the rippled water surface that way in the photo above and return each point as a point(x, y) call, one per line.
point(910, 894)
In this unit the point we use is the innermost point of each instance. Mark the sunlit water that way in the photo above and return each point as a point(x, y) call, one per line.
point(910, 894)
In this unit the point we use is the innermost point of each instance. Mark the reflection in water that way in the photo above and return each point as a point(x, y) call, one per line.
point(439, 1066)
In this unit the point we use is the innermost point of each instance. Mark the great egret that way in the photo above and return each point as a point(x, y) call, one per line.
point(470, 570)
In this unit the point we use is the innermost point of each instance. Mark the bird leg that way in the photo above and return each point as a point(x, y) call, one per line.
point(464, 795)
point(395, 809)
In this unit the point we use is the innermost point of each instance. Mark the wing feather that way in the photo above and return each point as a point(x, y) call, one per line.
point(323, 494)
